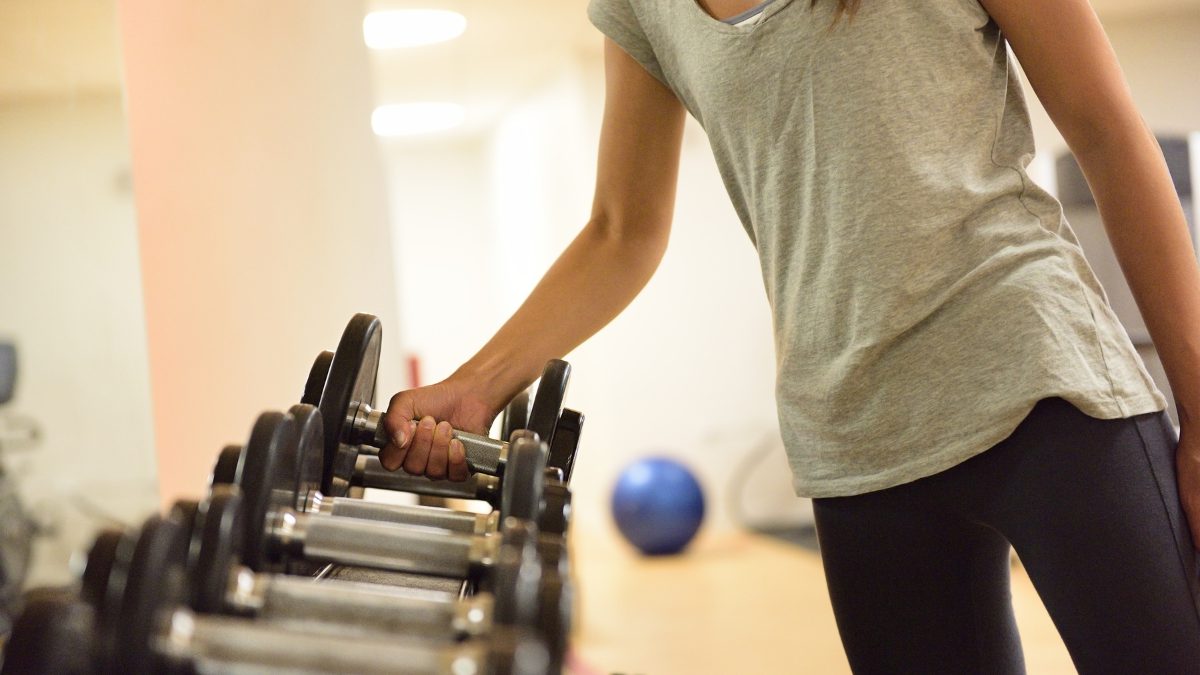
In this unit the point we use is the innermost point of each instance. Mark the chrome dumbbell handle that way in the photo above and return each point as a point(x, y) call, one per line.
point(484, 454)
point(211, 643)
point(382, 546)
point(369, 473)
point(423, 516)
point(295, 600)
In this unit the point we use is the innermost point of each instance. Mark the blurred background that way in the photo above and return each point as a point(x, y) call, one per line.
point(195, 197)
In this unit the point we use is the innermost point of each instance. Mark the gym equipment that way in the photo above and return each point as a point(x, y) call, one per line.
point(277, 534)
point(553, 513)
point(352, 426)
point(52, 636)
point(8, 371)
point(556, 494)
point(515, 415)
point(315, 384)
point(523, 592)
point(225, 470)
point(148, 628)
point(565, 445)
point(658, 505)
point(305, 455)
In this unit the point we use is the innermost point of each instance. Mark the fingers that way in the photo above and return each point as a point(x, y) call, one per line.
point(420, 447)
point(397, 421)
point(458, 469)
point(439, 452)
point(419, 443)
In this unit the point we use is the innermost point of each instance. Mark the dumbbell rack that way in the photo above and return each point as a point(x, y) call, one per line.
point(284, 567)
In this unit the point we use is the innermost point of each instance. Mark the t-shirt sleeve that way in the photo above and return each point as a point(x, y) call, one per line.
point(618, 20)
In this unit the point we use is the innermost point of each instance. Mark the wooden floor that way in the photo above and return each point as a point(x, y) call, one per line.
point(733, 603)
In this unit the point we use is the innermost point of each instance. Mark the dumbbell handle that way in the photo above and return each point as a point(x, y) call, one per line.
point(282, 598)
point(227, 644)
point(383, 546)
point(484, 455)
point(369, 473)
point(426, 516)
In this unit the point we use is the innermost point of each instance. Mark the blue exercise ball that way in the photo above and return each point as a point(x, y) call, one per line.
point(658, 505)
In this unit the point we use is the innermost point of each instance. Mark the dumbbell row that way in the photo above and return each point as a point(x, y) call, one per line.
point(208, 639)
point(143, 623)
point(277, 535)
point(525, 594)
point(520, 578)
point(552, 516)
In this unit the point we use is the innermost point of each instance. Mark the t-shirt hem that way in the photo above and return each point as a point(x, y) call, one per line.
point(970, 445)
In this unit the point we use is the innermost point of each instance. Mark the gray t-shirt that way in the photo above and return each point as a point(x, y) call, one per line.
point(926, 294)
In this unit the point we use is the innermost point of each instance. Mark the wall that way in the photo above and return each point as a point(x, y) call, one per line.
point(73, 305)
point(262, 207)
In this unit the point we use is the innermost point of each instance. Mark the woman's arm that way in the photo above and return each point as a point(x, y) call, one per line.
point(1071, 65)
point(597, 276)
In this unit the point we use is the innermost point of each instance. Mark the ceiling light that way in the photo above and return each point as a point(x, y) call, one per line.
point(411, 119)
point(411, 27)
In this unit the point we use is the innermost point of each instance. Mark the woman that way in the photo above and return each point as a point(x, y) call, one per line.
point(950, 377)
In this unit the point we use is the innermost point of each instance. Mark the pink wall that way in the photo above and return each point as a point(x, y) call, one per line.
point(262, 210)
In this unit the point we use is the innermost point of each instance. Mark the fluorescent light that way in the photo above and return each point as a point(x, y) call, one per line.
point(411, 27)
point(411, 119)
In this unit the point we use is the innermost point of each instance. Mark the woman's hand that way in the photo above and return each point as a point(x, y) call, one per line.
point(420, 421)
point(1187, 461)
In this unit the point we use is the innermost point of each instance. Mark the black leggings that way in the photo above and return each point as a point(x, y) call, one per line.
point(919, 573)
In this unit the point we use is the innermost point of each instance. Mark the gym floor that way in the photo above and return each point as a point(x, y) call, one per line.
point(732, 603)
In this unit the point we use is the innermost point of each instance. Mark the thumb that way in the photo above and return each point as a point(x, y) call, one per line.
point(398, 421)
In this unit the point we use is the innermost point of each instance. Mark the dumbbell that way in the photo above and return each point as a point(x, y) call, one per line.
point(352, 426)
point(277, 534)
point(522, 593)
point(303, 456)
point(51, 636)
point(369, 473)
point(148, 627)
point(556, 494)
point(514, 416)
point(298, 456)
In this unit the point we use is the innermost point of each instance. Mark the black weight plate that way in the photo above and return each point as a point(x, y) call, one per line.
point(565, 445)
point(516, 415)
point(315, 384)
point(267, 482)
point(556, 508)
point(521, 489)
point(52, 636)
point(217, 540)
point(155, 582)
point(308, 453)
point(515, 582)
point(108, 610)
point(310, 446)
point(185, 513)
point(101, 558)
point(351, 381)
point(554, 616)
point(548, 402)
point(225, 470)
